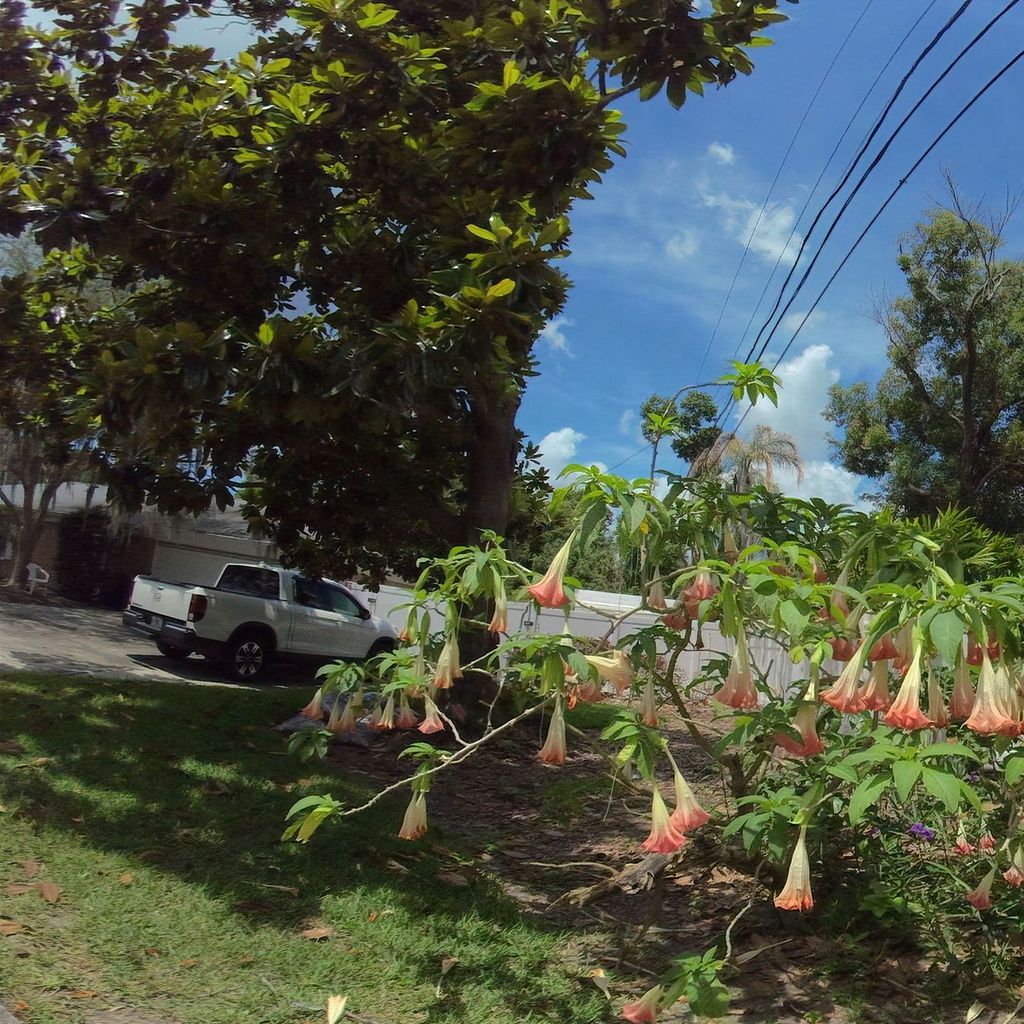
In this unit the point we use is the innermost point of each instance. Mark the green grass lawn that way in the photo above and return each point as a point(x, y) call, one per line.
point(156, 808)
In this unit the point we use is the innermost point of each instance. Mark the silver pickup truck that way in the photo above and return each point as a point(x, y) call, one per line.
point(253, 614)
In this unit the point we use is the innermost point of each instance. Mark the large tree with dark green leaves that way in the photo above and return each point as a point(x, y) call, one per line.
point(350, 232)
point(943, 425)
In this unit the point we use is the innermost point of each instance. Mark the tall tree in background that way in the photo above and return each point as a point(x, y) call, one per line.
point(686, 421)
point(350, 233)
point(750, 463)
point(943, 425)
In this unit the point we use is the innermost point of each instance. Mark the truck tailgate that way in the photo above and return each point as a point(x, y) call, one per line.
point(166, 600)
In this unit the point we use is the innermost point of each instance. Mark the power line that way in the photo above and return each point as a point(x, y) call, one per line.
point(775, 181)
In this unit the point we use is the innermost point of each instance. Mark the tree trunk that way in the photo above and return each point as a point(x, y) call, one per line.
point(492, 462)
point(25, 541)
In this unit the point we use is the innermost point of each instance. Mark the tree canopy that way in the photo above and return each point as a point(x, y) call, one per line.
point(348, 233)
point(943, 425)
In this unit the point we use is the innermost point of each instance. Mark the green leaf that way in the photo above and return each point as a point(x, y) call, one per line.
point(866, 794)
point(905, 774)
point(487, 236)
point(511, 74)
point(504, 287)
point(1014, 771)
point(947, 634)
point(794, 617)
point(943, 786)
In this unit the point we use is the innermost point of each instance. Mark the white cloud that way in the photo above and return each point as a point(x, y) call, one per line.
point(824, 480)
point(627, 422)
point(722, 153)
point(554, 334)
point(683, 244)
point(766, 229)
point(793, 321)
point(558, 449)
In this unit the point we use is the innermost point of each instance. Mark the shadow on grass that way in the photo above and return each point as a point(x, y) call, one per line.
point(191, 781)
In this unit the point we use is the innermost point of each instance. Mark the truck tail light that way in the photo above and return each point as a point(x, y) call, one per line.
point(197, 607)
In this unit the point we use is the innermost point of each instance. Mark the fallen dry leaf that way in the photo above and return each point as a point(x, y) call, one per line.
point(247, 959)
point(600, 979)
point(10, 927)
point(83, 993)
point(292, 890)
point(126, 879)
point(447, 963)
point(317, 933)
point(17, 888)
point(20, 1006)
point(50, 891)
point(152, 951)
point(372, 916)
point(452, 878)
point(187, 963)
point(30, 868)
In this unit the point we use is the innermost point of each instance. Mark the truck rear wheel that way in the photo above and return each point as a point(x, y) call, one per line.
point(170, 651)
point(247, 655)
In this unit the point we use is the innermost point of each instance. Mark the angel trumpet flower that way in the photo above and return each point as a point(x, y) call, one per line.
point(553, 751)
point(448, 668)
point(974, 654)
point(645, 1009)
point(730, 552)
point(614, 668)
point(414, 824)
point(884, 650)
point(677, 618)
point(874, 694)
point(590, 691)
point(315, 708)
point(805, 721)
point(796, 894)
point(407, 718)
point(904, 647)
point(963, 847)
point(547, 591)
point(499, 620)
point(990, 714)
point(936, 706)
point(738, 691)
point(842, 648)
point(383, 718)
point(961, 704)
point(688, 814)
point(649, 705)
point(905, 712)
point(656, 595)
point(1014, 874)
point(701, 589)
point(432, 721)
point(664, 837)
point(843, 694)
point(981, 898)
point(818, 574)
point(344, 722)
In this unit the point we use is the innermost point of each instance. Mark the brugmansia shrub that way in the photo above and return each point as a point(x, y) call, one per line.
point(883, 778)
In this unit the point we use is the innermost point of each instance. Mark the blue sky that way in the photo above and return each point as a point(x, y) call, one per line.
point(655, 251)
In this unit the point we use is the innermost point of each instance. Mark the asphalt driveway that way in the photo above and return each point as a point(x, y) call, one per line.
point(75, 640)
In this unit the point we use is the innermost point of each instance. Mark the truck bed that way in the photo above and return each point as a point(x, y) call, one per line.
point(161, 599)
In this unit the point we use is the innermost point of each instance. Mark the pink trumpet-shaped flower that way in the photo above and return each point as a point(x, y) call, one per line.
point(805, 721)
point(448, 668)
point(990, 713)
point(432, 721)
point(874, 694)
point(974, 653)
point(614, 668)
point(1014, 874)
point(547, 591)
point(884, 650)
point(649, 705)
point(688, 814)
point(842, 648)
point(904, 647)
point(796, 894)
point(843, 694)
point(963, 846)
point(961, 704)
point(645, 1010)
point(981, 898)
point(730, 552)
point(499, 620)
point(383, 717)
point(906, 712)
point(987, 842)
point(701, 589)
point(738, 691)
point(818, 574)
point(407, 718)
point(315, 708)
point(414, 824)
point(342, 723)
point(936, 705)
point(656, 595)
point(664, 837)
point(678, 618)
point(590, 691)
point(553, 751)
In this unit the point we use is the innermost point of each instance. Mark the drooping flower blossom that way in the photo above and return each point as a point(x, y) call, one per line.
point(407, 718)
point(315, 708)
point(974, 653)
point(499, 620)
point(981, 898)
point(818, 574)
point(884, 650)
point(701, 589)
point(432, 721)
point(987, 842)
point(936, 705)
point(874, 694)
point(342, 723)
point(414, 824)
point(1014, 874)
point(990, 714)
point(805, 721)
point(589, 691)
point(645, 1010)
point(837, 606)
point(677, 618)
point(730, 552)
point(993, 646)
point(688, 814)
point(738, 691)
point(649, 705)
point(963, 847)
point(656, 594)
point(547, 591)
point(553, 751)
point(796, 894)
point(961, 704)
point(664, 837)
point(383, 717)
point(1010, 695)
point(904, 647)
point(843, 694)
point(843, 649)
point(448, 668)
point(614, 668)
point(906, 712)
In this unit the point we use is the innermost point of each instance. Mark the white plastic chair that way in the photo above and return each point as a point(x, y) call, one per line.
point(38, 578)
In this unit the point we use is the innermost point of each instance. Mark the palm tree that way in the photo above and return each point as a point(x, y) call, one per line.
point(748, 464)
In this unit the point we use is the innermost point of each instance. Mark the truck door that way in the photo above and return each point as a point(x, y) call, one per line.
point(328, 623)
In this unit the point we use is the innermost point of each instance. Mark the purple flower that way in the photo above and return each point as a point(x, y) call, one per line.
point(921, 831)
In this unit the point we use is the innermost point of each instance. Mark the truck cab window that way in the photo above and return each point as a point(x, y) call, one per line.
point(251, 580)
